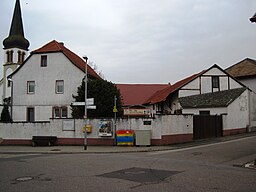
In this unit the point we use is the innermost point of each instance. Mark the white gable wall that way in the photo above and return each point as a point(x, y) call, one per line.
point(203, 83)
point(58, 68)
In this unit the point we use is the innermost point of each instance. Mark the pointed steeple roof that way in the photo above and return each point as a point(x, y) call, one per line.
point(16, 37)
point(253, 18)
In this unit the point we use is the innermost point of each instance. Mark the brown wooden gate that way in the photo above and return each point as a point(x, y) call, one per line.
point(207, 126)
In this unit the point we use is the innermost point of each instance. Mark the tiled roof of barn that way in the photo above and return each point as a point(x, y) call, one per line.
point(161, 95)
point(208, 100)
point(137, 94)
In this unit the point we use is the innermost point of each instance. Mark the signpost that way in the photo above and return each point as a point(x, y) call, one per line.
point(115, 111)
point(89, 104)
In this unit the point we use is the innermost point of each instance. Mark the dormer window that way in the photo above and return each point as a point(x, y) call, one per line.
point(43, 60)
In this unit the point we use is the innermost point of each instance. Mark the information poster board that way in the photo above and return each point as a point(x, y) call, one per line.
point(105, 129)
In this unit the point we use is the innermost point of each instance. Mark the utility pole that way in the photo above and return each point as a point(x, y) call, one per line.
point(115, 111)
point(85, 104)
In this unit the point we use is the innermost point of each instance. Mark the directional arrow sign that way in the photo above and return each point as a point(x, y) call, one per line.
point(91, 107)
point(89, 101)
point(78, 104)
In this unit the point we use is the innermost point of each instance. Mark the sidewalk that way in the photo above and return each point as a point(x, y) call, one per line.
point(112, 149)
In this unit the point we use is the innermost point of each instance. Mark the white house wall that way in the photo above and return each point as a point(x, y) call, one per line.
point(234, 84)
point(185, 93)
point(58, 68)
point(224, 83)
point(1, 93)
point(8, 89)
point(252, 109)
point(251, 83)
point(206, 84)
point(238, 113)
point(213, 111)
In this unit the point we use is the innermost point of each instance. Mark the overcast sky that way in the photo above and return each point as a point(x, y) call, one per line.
point(142, 41)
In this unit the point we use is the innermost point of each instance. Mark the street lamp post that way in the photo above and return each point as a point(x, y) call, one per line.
point(85, 105)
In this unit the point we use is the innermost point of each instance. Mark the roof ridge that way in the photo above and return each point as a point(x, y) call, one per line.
point(237, 63)
point(58, 44)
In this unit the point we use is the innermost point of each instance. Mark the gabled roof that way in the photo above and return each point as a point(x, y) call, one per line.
point(54, 46)
point(210, 100)
point(162, 95)
point(137, 94)
point(243, 69)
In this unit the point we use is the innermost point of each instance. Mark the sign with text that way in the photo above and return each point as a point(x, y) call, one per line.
point(91, 106)
point(89, 102)
point(137, 112)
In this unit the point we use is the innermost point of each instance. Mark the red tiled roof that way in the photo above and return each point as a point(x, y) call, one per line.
point(137, 94)
point(55, 46)
point(161, 95)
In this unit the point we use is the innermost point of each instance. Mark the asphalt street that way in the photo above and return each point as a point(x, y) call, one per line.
point(214, 167)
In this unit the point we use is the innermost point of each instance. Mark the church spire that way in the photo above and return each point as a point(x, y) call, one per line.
point(16, 37)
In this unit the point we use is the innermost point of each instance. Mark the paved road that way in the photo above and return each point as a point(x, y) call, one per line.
point(201, 168)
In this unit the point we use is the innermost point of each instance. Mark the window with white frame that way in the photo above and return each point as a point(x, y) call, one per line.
point(59, 87)
point(60, 112)
point(31, 87)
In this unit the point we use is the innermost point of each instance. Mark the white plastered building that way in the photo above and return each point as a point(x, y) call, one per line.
point(43, 86)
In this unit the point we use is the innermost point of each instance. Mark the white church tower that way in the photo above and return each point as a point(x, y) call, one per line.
point(15, 51)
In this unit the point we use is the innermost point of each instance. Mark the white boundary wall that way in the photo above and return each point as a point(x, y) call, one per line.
point(160, 125)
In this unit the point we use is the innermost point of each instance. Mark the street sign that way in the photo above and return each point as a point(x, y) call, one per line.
point(78, 104)
point(91, 106)
point(90, 101)
point(137, 112)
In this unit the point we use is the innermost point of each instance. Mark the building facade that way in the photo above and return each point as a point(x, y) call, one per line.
point(43, 86)
point(245, 72)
